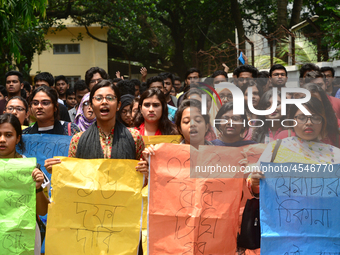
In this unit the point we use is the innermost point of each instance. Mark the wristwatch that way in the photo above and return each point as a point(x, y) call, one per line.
point(39, 190)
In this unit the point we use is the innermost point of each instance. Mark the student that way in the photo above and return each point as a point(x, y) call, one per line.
point(271, 129)
point(71, 101)
point(191, 124)
point(44, 107)
point(231, 134)
point(125, 113)
point(19, 108)
point(61, 85)
point(80, 89)
point(152, 117)
point(10, 136)
point(85, 116)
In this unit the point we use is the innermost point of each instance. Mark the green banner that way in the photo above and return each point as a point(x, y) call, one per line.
point(17, 206)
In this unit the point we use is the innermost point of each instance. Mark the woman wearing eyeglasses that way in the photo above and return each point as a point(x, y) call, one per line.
point(125, 112)
point(44, 107)
point(85, 116)
point(19, 108)
point(232, 127)
point(306, 147)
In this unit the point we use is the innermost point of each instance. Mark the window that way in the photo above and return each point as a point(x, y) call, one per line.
point(66, 48)
point(72, 80)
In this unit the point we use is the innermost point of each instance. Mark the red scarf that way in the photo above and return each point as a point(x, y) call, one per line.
point(141, 130)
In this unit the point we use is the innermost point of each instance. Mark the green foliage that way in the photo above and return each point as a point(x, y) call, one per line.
point(18, 18)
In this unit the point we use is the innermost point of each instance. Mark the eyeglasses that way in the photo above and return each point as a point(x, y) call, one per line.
point(95, 80)
point(86, 103)
point(125, 112)
point(108, 98)
point(18, 109)
point(224, 97)
point(302, 119)
point(42, 103)
point(233, 118)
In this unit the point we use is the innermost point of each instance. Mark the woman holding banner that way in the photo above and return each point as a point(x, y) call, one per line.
point(10, 136)
point(44, 106)
point(152, 117)
point(306, 146)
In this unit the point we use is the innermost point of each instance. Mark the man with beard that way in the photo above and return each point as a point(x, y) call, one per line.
point(168, 79)
point(278, 76)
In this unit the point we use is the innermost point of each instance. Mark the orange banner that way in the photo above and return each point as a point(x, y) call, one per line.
point(187, 215)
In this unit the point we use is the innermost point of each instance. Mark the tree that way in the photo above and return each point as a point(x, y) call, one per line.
point(16, 17)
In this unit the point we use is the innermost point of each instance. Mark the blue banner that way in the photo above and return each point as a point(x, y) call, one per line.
point(44, 146)
point(299, 213)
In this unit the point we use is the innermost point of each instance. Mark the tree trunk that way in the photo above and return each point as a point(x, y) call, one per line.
point(297, 6)
point(236, 14)
point(282, 13)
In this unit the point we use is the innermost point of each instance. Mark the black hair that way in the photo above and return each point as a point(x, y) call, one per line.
point(328, 68)
point(192, 91)
point(176, 78)
point(164, 124)
point(219, 72)
point(14, 121)
point(184, 105)
point(277, 67)
point(126, 87)
point(168, 75)
point(27, 86)
point(192, 70)
point(3, 91)
point(315, 106)
point(252, 83)
point(262, 78)
point(89, 74)
point(246, 68)
point(312, 75)
point(229, 107)
point(44, 76)
point(51, 93)
point(332, 121)
point(136, 82)
point(307, 68)
point(80, 85)
point(102, 84)
point(21, 99)
point(154, 79)
point(60, 78)
point(259, 132)
point(116, 80)
point(69, 92)
point(143, 87)
point(17, 73)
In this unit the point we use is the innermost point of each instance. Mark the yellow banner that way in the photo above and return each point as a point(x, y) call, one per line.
point(96, 208)
point(156, 139)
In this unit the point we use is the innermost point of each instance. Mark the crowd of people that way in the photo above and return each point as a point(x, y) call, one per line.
point(109, 117)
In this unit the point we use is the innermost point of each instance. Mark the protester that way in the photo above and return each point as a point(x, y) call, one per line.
point(10, 137)
point(233, 128)
point(19, 108)
point(44, 107)
point(305, 147)
point(85, 116)
point(125, 113)
point(271, 127)
point(152, 117)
